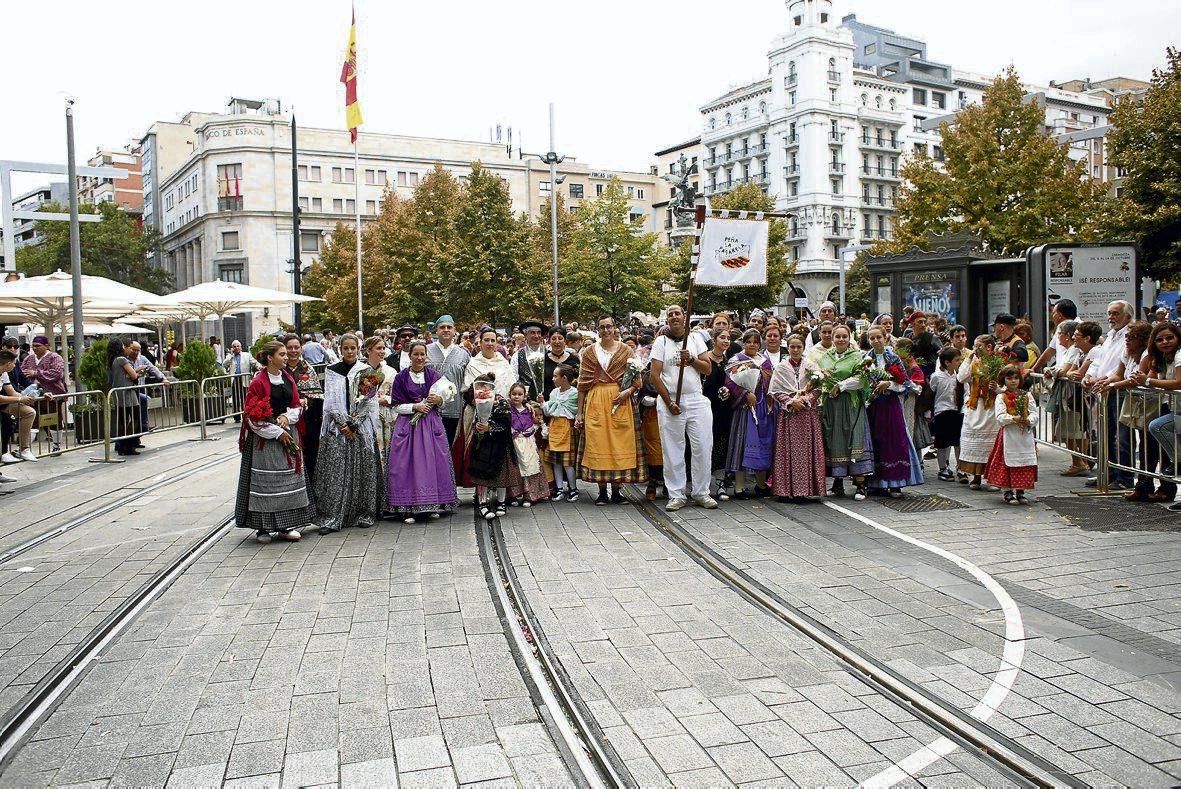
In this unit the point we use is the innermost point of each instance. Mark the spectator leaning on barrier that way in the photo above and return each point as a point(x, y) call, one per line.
point(149, 373)
point(1119, 315)
point(311, 351)
point(17, 405)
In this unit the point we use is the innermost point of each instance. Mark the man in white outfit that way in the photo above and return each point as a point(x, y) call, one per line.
point(691, 418)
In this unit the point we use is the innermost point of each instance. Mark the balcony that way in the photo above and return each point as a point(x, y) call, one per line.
point(885, 202)
point(836, 138)
point(713, 161)
point(791, 171)
point(791, 140)
point(873, 235)
point(797, 233)
point(791, 80)
point(836, 168)
point(721, 186)
point(880, 173)
point(881, 143)
point(838, 233)
point(760, 150)
point(834, 76)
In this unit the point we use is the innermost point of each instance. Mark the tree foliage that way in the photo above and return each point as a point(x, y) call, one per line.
point(115, 248)
point(1003, 179)
point(612, 266)
point(858, 289)
point(746, 197)
point(1147, 142)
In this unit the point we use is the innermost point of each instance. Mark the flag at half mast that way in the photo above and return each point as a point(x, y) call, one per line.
point(348, 75)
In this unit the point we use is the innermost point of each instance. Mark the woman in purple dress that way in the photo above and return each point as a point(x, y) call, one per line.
point(896, 465)
point(752, 433)
point(420, 478)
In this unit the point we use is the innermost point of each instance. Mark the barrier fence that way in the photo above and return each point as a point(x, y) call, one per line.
point(117, 419)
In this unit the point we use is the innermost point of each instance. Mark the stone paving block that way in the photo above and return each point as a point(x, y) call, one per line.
point(1138, 742)
point(96, 763)
point(651, 722)
point(775, 738)
point(744, 763)
point(683, 702)
point(428, 779)
point(421, 753)
point(201, 775)
point(467, 731)
point(271, 781)
point(154, 740)
point(310, 768)
point(677, 753)
point(410, 723)
point(363, 745)
point(256, 758)
point(366, 775)
point(480, 763)
point(712, 729)
point(806, 718)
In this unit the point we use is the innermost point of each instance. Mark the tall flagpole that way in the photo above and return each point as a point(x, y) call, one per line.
point(357, 203)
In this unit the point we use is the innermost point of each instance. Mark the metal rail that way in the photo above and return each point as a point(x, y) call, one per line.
point(1002, 753)
point(45, 697)
point(588, 754)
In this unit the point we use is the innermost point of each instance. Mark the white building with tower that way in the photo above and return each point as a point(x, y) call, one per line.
point(827, 131)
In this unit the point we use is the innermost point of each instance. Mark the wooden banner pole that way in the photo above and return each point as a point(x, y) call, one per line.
point(699, 217)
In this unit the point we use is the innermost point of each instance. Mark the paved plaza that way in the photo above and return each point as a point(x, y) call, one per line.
point(385, 657)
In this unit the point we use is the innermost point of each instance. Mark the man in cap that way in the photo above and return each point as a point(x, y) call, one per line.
point(1007, 342)
point(47, 369)
point(528, 362)
point(758, 319)
point(449, 358)
point(398, 357)
point(827, 312)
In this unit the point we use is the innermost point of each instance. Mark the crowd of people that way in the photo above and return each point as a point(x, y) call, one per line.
point(695, 414)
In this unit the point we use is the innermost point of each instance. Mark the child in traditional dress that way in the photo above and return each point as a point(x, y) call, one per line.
point(948, 419)
point(561, 408)
point(980, 426)
point(1013, 462)
point(526, 481)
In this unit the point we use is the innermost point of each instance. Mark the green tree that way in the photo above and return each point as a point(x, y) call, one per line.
point(746, 197)
point(542, 249)
point(613, 267)
point(333, 277)
point(1146, 141)
point(115, 248)
point(1003, 179)
point(858, 293)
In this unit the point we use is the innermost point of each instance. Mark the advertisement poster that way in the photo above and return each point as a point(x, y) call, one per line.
point(1091, 278)
point(934, 293)
point(998, 300)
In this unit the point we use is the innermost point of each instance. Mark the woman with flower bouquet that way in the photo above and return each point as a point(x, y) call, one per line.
point(487, 361)
point(311, 399)
point(752, 433)
point(350, 483)
point(1012, 465)
point(272, 484)
point(420, 480)
point(798, 470)
point(896, 464)
point(486, 458)
point(979, 375)
point(843, 390)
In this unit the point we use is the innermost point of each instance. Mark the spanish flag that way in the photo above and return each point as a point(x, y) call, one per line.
point(348, 75)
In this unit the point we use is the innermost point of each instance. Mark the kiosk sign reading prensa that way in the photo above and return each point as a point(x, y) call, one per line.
point(1090, 275)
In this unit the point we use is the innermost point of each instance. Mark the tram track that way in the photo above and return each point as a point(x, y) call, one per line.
point(1002, 753)
point(589, 756)
point(19, 722)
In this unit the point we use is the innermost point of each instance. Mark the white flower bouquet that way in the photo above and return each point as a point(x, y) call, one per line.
point(484, 395)
point(446, 392)
point(747, 375)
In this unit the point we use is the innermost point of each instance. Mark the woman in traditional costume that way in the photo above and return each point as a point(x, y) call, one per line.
point(421, 479)
point(272, 484)
point(980, 426)
point(752, 432)
point(488, 450)
point(311, 399)
point(373, 351)
point(848, 445)
point(560, 408)
point(486, 361)
point(896, 464)
point(350, 482)
point(714, 386)
point(610, 448)
point(798, 469)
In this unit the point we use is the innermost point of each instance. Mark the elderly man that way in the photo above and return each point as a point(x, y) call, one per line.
point(827, 312)
point(1100, 375)
point(142, 365)
point(241, 365)
point(48, 370)
point(1007, 342)
point(398, 358)
point(528, 360)
point(449, 358)
point(690, 418)
point(311, 351)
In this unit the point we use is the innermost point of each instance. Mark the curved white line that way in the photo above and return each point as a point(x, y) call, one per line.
point(1011, 658)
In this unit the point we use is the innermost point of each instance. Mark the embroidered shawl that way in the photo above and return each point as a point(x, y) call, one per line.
point(590, 372)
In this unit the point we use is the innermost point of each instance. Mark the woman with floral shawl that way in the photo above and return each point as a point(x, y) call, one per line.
point(349, 485)
point(896, 464)
point(978, 434)
point(848, 445)
point(420, 479)
point(798, 469)
point(610, 447)
point(752, 433)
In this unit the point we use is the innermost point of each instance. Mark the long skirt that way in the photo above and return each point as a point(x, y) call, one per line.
point(349, 485)
point(976, 438)
point(272, 495)
point(420, 477)
point(848, 445)
point(896, 464)
point(1009, 477)
point(723, 413)
point(752, 444)
point(611, 445)
point(799, 454)
point(313, 418)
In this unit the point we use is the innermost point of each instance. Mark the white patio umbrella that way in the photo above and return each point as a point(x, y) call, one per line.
point(230, 298)
point(93, 329)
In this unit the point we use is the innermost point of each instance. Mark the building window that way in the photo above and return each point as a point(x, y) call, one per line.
point(413, 179)
point(795, 252)
point(797, 20)
point(371, 207)
point(893, 105)
point(229, 241)
point(919, 96)
point(832, 95)
point(939, 99)
point(383, 177)
point(350, 206)
point(864, 99)
point(309, 242)
point(836, 224)
point(836, 186)
point(918, 124)
point(576, 191)
point(303, 172)
point(795, 188)
point(639, 193)
point(763, 107)
point(745, 113)
point(598, 190)
point(350, 175)
point(337, 175)
point(544, 187)
point(713, 123)
point(338, 206)
point(877, 101)
point(791, 99)
point(229, 187)
point(317, 205)
point(370, 177)
point(314, 172)
point(729, 119)
point(402, 180)
point(108, 180)
point(871, 49)
point(303, 203)
point(230, 273)
point(938, 152)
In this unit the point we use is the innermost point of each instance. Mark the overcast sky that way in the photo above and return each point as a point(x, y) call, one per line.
point(627, 77)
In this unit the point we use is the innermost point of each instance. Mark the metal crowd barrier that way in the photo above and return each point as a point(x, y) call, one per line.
point(1137, 451)
point(1067, 417)
point(66, 423)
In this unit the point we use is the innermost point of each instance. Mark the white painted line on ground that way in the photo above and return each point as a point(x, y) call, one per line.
point(1011, 658)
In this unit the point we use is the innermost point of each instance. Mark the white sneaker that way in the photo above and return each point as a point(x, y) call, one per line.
point(27, 454)
point(8, 457)
point(674, 505)
point(291, 535)
point(706, 502)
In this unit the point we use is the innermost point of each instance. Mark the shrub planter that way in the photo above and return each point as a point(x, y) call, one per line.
point(215, 408)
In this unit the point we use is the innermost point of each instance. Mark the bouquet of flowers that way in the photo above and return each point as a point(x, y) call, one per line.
point(365, 387)
point(536, 360)
point(631, 371)
point(446, 392)
point(484, 395)
point(986, 369)
point(990, 366)
point(1017, 405)
point(746, 375)
point(823, 382)
point(258, 410)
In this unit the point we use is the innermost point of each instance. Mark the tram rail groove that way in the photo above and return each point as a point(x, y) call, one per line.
point(103, 509)
point(45, 697)
point(1000, 752)
point(591, 759)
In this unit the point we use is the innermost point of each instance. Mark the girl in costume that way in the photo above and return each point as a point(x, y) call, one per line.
point(848, 445)
point(525, 481)
point(489, 446)
point(561, 407)
point(980, 426)
point(752, 433)
point(1012, 465)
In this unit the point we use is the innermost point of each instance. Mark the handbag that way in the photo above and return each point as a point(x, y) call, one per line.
point(1134, 412)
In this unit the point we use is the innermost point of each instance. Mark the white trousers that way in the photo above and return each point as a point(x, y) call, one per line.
point(696, 423)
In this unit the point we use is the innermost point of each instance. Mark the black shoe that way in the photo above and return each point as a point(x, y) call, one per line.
point(838, 489)
point(785, 500)
point(1176, 507)
point(762, 492)
point(617, 498)
point(602, 499)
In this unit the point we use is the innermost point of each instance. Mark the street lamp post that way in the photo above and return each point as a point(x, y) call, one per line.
point(553, 159)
